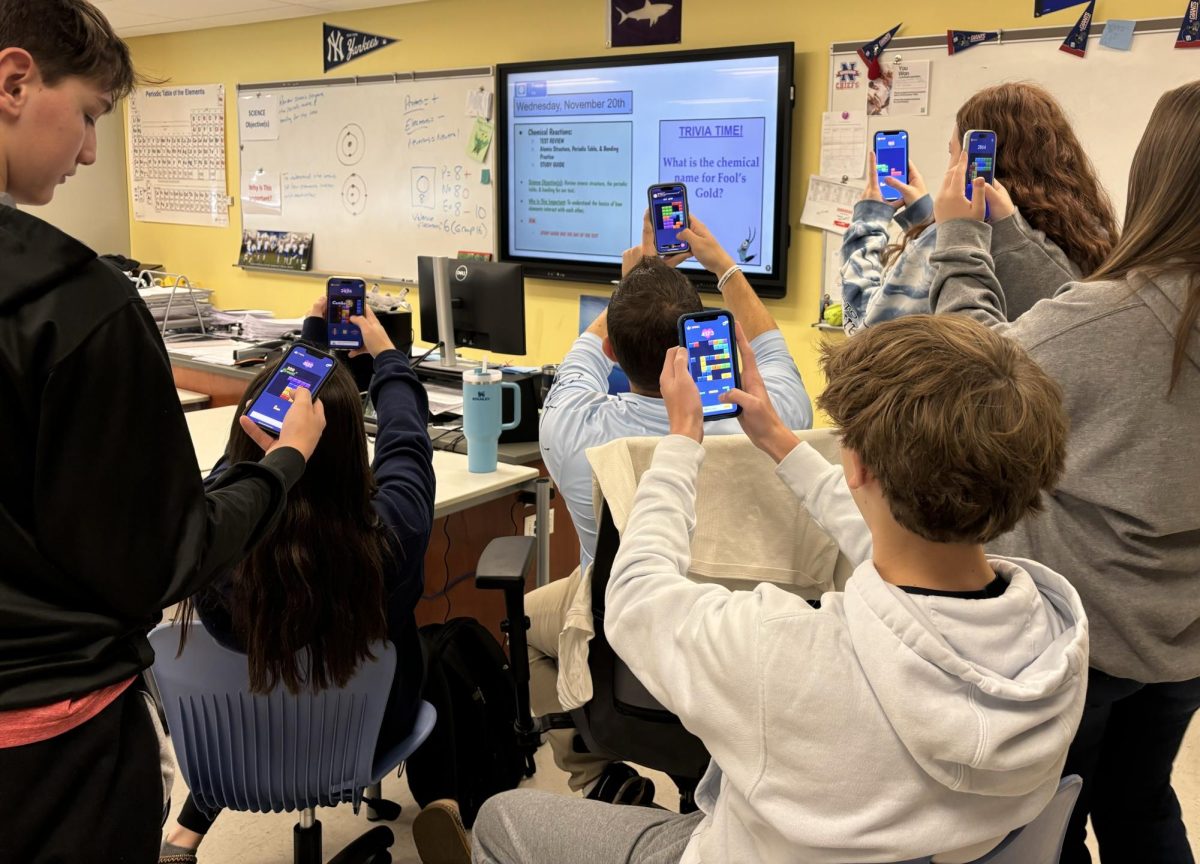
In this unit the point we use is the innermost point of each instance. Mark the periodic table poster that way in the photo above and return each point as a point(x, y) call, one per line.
point(177, 154)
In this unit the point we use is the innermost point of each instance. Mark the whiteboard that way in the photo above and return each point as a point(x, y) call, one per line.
point(1108, 95)
point(377, 169)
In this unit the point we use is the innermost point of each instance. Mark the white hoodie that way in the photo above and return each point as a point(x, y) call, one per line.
point(881, 727)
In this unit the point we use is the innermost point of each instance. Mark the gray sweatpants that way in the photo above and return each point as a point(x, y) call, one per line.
point(530, 827)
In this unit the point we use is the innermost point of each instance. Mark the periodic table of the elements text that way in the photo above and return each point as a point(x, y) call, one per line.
point(177, 154)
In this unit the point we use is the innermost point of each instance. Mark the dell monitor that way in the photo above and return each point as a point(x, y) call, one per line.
point(487, 302)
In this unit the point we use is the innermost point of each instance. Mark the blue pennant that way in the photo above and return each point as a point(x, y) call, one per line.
point(1189, 31)
point(961, 40)
point(1077, 39)
point(342, 45)
point(871, 51)
point(1045, 7)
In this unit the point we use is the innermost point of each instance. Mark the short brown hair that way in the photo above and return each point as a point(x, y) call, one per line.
point(643, 319)
point(959, 425)
point(68, 38)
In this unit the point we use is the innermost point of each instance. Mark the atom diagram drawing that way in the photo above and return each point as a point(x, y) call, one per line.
point(354, 195)
point(352, 143)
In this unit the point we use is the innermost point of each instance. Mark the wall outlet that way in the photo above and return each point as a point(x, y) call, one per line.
point(531, 521)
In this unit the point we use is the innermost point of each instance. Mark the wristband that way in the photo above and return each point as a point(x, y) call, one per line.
point(725, 277)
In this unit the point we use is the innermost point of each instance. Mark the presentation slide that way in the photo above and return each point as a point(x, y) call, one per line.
point(586, 144)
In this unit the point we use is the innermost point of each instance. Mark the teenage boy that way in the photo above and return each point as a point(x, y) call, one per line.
point(925, 710)
point(637, 328)
point(103, 518)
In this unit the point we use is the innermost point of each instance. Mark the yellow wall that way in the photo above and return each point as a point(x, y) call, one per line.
point(440, 34)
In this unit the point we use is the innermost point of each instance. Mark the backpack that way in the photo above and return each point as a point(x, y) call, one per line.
point(472, 753)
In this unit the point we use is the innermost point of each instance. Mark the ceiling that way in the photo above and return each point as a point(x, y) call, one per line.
point(143, 17)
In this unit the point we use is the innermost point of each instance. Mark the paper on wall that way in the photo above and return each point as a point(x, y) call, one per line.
point(479, 103)
point(901, 89)
point(829, 204)
point(843, 144)
point(262, 193)
point(258, 117)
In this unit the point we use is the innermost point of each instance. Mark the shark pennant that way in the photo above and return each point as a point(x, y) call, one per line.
point(1189, 30)
point(1077, 39)
point(871, 51)
point(961, 40)
point(644, 22)
point(342, 45)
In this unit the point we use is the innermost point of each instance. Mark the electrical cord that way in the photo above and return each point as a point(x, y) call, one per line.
point(425, 356)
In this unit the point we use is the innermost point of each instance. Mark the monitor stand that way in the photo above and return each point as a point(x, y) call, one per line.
point(445, 313)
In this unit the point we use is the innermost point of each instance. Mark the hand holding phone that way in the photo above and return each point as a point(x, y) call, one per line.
point(681, 397)
point(669, 216)
point(891, 160)
point(759, 419)
point(708, 338)
point(345, 298)
point(302, 368)
point(980, 147)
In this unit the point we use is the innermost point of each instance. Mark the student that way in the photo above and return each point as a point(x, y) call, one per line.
point(353, 534)
point(103, 518)
point(928, 708)
point(639, 325)
point(1124, 523)
point(1064, 226)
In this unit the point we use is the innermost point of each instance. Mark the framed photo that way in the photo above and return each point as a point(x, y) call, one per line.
point(276, 250)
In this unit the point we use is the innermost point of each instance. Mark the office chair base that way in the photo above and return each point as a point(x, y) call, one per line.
point(306, 843)
point(370, 848)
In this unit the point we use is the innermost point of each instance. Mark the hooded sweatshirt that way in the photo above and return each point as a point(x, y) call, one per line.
point(103, 518)
point(1124, 523)
point(1029, 265)
point(882, 726)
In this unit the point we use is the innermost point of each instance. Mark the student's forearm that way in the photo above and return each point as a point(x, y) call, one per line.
point(746, 306)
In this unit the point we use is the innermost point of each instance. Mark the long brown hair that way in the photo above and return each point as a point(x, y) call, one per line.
point(1044, 168)
point(1162, 215)
point(316, 580)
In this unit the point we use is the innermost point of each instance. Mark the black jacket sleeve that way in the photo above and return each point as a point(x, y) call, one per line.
point(403, 463)
point(119, 485)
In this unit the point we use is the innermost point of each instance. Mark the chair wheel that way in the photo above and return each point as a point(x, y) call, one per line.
point(382, 810)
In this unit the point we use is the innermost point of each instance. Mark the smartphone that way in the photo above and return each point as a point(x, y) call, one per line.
point(709, 339)
point(980, 147)
point(302, 366)
point(345, 297)
point(891, 160)
point(669, 216)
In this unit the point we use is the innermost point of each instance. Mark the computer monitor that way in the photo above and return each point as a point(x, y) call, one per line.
point(487, 301)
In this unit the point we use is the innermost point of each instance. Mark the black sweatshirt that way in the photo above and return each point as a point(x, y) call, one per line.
point(103, 518)
point(403, 469)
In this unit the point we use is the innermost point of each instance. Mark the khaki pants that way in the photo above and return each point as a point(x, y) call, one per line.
point(547, 610)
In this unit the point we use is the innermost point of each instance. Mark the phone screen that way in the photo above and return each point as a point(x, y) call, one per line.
point(981, 158)
point(346, 297)
point(301, 367)
point(668, 215)
point(712, 360)
point(891, 160)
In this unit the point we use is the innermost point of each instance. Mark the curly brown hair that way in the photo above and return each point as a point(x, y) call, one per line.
point(1045, 169)
point(960, 426)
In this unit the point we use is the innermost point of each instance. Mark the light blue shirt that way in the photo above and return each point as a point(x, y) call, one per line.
point(579, 413)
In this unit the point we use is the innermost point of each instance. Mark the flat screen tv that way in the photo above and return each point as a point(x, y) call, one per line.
point(580, 141)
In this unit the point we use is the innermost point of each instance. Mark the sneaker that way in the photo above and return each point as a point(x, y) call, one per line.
point(439, 835)
point(620, 784)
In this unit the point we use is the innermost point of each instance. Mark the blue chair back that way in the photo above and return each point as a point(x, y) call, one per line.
point(1039, 842)
point(272, 751)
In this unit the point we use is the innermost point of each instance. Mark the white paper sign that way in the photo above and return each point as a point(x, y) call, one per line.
point(902, 89)
point(258, 117)
point(262, 193)
point(843, 144)
point(829, 204)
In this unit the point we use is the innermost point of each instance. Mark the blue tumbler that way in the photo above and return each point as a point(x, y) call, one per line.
point(482, 415)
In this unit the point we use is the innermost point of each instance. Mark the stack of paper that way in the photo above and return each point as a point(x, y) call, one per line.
point(256, 325)
point(182, 312)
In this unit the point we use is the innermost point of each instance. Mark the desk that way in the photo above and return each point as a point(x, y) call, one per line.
point(191, 400)
point(484, 506)
point(457, 488)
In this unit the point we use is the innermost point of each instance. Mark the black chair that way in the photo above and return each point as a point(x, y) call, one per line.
point(622, 721)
